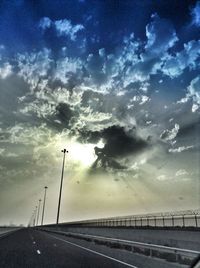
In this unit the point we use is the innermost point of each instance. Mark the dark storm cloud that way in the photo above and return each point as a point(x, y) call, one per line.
point(188, 129)
point(11, 89)
point(71, 83)
point(119, 143)
point(63, 117)
point(104, 162)
point(86, 136)
point(94, 99)
point(64, 113)
point(56, 83)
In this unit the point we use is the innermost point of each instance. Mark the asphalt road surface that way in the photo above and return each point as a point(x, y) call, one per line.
point(28, 248)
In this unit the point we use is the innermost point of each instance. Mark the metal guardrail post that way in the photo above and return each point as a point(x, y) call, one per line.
point(147, 221)
point(176, 256)
point(173, 220)
point(155, 224)
point(183, 217)
point(195, 217)
point(163, 221)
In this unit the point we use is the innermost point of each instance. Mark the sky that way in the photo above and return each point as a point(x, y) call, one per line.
point(116, 83)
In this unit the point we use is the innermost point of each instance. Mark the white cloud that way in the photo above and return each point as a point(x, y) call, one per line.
point(195, 107)
point(181, 172)
point(33, 66)
point(106, 72)
point(174, 65)
point(89, 116)
point(46, 102)
point(132, 65)
point(24, 134)
point(62, 95)
point(180, 149)
point(196, 14)
point(137, 165)
point(140, 99)
point(183, 100)
point(169, 135)
point(10, 154)
point(66, 68)
point(161, 36)
point(45, 23)
point(5, 70)
point(94, 120)
point(194, 92)
point(65, 28)
point(144, 99)
point(41, 109)
point(2, 151)
point(162, 177)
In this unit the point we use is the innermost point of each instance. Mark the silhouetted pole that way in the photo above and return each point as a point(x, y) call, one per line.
point(32, 219)
point(45, 191)
point(35, 214)
point(38, 214)
point(61, 183)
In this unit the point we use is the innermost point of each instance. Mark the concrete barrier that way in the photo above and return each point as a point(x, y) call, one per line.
point(171, 254)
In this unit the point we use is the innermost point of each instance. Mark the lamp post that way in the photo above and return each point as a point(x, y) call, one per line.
point(33, 219)
point(35, 215)
point(61, 183)
point(45, 191)
point(38, 214)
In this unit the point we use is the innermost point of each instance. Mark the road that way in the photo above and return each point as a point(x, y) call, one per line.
point(28, 248)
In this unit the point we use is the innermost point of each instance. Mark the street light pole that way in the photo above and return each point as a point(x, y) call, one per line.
point(35, 215)
point(61, 183)
point(32, 219)
point(45, 191)
point(38, 214)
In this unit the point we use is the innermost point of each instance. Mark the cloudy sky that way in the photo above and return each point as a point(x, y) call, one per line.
point(116, 83)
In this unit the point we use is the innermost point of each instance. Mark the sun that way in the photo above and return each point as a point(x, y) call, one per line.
point(81, 153)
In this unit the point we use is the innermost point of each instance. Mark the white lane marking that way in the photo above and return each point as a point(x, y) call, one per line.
point(38, 251)
point(95, 252)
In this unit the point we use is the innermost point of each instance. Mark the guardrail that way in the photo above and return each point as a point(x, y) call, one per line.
point(180, 255)
point(187, 218)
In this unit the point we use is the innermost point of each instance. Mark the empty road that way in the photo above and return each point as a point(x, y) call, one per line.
point(28, 248)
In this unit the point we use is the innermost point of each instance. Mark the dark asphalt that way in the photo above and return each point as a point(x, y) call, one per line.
point(30, 248)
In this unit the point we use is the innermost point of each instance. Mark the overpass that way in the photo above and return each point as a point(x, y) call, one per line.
point(158, 240)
